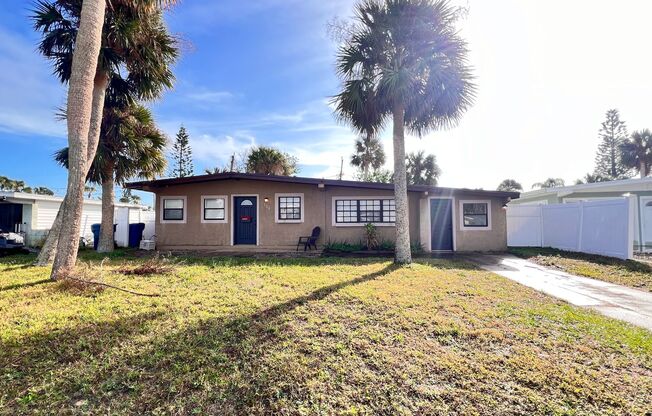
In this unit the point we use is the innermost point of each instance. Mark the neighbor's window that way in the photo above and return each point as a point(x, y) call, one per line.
point(214, 209)
point(289, 208)
point(173, 209)
point(365, 211)
point(475, 214)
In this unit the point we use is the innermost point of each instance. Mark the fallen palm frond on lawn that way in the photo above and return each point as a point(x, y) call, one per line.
point(155, 265)
point(81, 281)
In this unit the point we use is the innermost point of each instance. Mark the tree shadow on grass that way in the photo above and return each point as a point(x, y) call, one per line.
point(24, 285)
point(209, 366)
point(27, 363)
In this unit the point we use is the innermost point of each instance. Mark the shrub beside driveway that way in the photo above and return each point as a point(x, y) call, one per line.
point(309, 336)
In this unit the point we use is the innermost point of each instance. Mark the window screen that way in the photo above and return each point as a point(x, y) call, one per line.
point(289, 208)
point(475, 214)
point(214, 209)
point(365, 211)
point(173, 209)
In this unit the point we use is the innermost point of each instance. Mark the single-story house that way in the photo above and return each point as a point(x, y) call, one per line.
point(639, 190)
point(255, 211)
point(33, 215)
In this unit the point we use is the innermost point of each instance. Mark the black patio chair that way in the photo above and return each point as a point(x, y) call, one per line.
point(309, 241)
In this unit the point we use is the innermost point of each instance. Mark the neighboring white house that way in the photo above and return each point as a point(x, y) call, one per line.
point(639, 190)
point(34, 215)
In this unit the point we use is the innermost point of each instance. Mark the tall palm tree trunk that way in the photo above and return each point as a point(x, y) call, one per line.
point(643, 169)
point(79, 111)
point(105, 245)
point(402, 254)
point(49, 249)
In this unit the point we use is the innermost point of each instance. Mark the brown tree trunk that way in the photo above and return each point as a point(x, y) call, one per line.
point(402, 255)
point(79, 111)
point(49, 249)
point(643, 169)
point(106, 243)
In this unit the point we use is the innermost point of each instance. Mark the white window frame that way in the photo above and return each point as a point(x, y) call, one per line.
point(277, 197)
point(226, 209)
point(357, 224)
point(185, 210)
point(461, 203)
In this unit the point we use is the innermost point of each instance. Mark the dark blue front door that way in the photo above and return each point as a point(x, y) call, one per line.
point(441, 224)
point(244, 220)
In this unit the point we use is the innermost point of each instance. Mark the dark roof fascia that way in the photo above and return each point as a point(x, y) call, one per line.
point(164, 183)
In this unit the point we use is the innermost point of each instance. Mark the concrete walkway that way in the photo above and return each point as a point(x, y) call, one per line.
point(620, 302)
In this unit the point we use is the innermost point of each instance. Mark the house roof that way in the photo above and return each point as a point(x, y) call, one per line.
point(162, 183)
point(26, 198)
point(620, 186)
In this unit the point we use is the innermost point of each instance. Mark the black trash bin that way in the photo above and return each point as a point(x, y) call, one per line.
point(95, 228)
point(136, 234)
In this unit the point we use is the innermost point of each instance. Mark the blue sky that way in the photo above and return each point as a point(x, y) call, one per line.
point(262, 71)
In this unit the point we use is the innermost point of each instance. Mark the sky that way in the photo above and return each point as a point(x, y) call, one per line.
point(261, 72)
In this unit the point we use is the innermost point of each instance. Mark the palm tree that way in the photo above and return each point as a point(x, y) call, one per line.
point(422, 169)
point(406, 61)
point(509, 185)
point(549, 183)
point(369, 154)
point(271, 161)
point(130, 146)
point(128, 197)
point(134, 40)
point(592, 178)
point(5, 183)
point(42, 190)
point(636, 152)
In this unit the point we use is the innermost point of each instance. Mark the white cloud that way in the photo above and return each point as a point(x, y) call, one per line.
point(212, 151)
point(208, 96)
point(30, 93)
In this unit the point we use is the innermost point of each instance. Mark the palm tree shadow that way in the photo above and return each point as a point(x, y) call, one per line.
point(24, 285)
point(182, 357)
point(282, 308)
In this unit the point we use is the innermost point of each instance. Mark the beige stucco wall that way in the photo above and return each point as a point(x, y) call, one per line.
point(318, 211)
point(480, 239)
point(194, 233)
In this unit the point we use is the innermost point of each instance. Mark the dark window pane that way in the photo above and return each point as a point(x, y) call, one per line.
point(475, 208)
point(289, 208)
point(476, 220)
point(173, 214)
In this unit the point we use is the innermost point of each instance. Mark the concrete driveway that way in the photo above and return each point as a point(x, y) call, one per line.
point(620, 302)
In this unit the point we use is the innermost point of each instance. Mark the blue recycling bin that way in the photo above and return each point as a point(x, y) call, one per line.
point(95, 228)
point(136, 234)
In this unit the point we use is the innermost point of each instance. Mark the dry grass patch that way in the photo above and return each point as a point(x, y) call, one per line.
point(312, 336)
point(623, 272)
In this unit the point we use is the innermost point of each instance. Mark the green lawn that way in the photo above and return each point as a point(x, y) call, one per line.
point(311, 336)
point(623, 272)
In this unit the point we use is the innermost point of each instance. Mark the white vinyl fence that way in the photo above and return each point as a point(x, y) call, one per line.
point(603, 227)
point(125, 216)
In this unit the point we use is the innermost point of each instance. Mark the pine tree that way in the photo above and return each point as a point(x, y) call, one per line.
point(182, 155)
point(608, 160)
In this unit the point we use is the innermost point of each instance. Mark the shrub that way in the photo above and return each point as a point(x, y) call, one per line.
point(371, 236)
point(343, 246)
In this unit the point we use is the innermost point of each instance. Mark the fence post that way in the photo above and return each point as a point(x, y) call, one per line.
point(579, 237)
point(541, 225)
point(632, 202)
